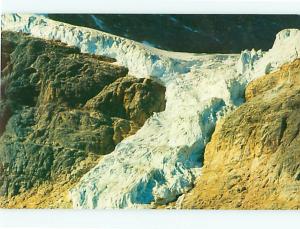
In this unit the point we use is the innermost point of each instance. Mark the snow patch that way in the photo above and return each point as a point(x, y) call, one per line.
point(141, 62)
point(100, 24)
point(285, 49)
point(160, 162)
point(190, 29)
point(147, 43)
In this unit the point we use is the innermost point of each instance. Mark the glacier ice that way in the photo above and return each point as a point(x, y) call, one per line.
point(160, 162)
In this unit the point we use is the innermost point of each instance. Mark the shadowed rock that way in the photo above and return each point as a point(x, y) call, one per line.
point(60, 108)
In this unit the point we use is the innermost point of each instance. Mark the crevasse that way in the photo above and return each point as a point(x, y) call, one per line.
point(160, 162)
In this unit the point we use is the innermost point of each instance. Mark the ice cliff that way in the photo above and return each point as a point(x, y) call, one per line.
point(161, 161)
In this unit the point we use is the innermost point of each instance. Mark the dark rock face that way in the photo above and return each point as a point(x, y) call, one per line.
point(253, 159)
point(190, 33)
point(59, 106)
point(136, 98)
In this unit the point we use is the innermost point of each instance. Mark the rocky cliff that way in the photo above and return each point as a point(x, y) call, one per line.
point(253, 159)
point(60, 111)
point(162, 160)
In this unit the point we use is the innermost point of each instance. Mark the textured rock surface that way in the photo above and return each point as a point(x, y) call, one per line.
point(253, 159)
point(162, 160)
point(61, 110)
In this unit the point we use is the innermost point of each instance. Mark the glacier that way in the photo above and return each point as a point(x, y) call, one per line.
point(161, 161)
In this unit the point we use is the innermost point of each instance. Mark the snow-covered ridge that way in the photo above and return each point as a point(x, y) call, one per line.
point(141, 62)
point(161, 161)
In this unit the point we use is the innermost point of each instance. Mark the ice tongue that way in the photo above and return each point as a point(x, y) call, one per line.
point(160, 162)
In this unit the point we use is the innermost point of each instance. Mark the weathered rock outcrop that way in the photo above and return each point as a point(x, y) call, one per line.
point(253, 159)
point(60, 111)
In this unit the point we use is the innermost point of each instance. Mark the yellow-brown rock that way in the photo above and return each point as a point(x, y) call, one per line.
point(253, 159)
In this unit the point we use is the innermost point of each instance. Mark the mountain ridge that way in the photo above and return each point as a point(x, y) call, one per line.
point(162, 160)
point(190, 33)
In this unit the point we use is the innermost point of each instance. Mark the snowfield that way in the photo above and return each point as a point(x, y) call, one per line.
point(160, 162)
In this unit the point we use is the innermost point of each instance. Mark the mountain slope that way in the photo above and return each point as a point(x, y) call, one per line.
point(162, 160)
point(58, 115)
point(253, 159)
point(190, 33)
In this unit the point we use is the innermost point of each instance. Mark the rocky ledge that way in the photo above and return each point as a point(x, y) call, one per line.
point(253, 159)
point(60, 110)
